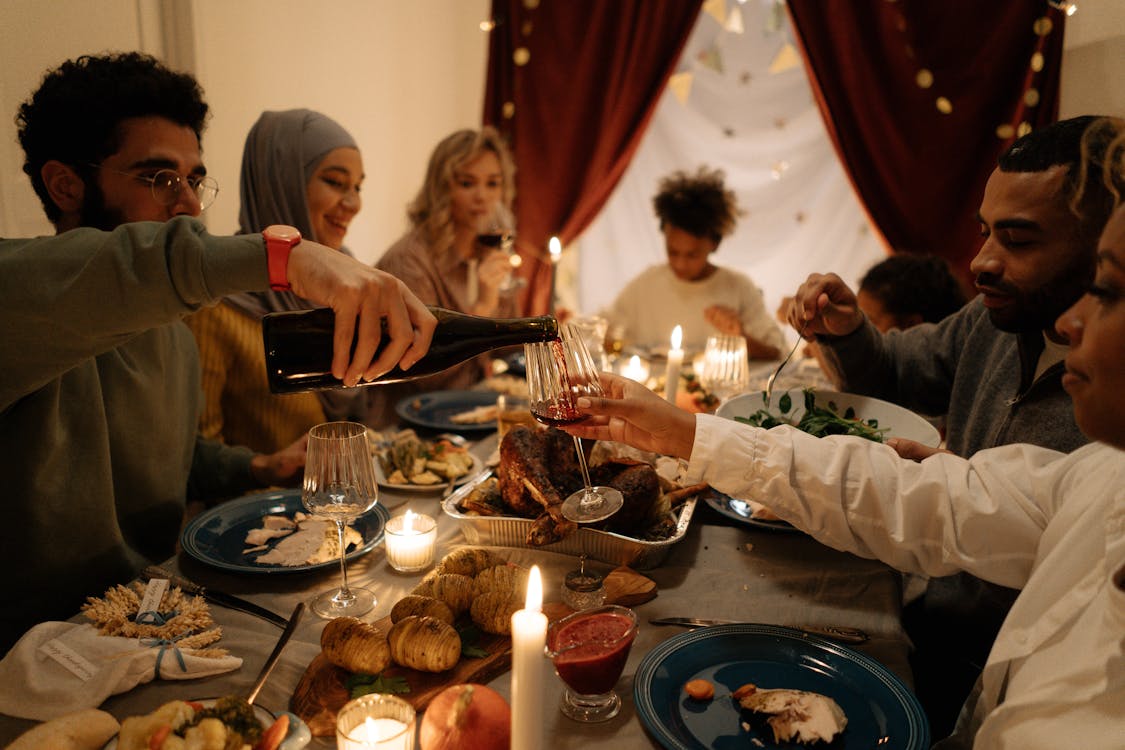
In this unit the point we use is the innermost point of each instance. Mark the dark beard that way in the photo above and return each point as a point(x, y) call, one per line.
point(94, 211)
point(1038, 309)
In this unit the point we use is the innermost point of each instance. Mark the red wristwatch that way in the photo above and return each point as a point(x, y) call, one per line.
point(280, 241)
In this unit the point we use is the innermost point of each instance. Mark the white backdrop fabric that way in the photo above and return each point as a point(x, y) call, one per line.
point(764, 131)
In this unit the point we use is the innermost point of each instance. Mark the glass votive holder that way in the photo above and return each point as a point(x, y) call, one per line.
point(375, 722)
point(583, 589)
point(410, 540)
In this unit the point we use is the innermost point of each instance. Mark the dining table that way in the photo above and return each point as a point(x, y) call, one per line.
point(722, 568)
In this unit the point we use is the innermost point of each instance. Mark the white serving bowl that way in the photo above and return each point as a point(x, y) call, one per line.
point(899, 422)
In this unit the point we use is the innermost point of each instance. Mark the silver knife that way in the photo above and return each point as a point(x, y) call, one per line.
point(223, 599)
point(833, 632)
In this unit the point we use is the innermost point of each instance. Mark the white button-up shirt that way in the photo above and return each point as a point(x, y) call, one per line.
point(1026, 517)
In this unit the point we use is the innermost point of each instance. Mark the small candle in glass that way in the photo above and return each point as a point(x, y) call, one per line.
point(375, 722)
point(410, 540)
point(635, 370)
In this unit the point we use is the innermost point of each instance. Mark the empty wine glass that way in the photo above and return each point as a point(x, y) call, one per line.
point(558, 373)
point(725, 370)
point(497, 230)
point(340, 484)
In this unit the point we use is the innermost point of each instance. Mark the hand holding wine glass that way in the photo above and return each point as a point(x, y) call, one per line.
point(340, 485)
point(497, 231)
point(558, 374)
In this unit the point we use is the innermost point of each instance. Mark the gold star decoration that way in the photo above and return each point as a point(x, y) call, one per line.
point(521, 56)
point(1005, 131)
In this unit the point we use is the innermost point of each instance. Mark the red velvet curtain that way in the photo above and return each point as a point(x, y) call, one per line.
point(573, 84)
point(920, 97)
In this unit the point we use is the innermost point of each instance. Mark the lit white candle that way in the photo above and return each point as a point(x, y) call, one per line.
point(675, 362)
point(635, 370)
point(529, 638)
point(410, 541)
point(384, 734)
point(375, 722)
point(555, 248)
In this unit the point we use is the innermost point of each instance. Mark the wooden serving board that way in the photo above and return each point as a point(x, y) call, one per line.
point(323, 689)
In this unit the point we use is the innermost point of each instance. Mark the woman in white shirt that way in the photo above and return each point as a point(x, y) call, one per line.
point(1052, 524)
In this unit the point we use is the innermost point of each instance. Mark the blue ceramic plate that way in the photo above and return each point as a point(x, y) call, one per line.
point(217, 536)
point(882, 713)
point(433, 410)
point(740, 510)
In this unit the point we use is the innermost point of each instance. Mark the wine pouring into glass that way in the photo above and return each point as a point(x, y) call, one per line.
point(340, 485)
point(558, 374)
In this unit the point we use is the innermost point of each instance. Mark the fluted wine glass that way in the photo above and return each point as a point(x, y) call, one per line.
point(340, 485)
point(558, 373)
point(725, 370)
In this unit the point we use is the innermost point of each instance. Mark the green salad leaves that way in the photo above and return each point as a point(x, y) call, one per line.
point(817, 420)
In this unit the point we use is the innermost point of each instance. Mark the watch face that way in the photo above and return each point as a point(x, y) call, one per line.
point(282, 232)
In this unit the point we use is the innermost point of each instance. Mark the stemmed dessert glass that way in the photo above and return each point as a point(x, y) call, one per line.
point(558, 373)
point(589, 650)
point(725, 370)
point(340, 485)
point(497, 230)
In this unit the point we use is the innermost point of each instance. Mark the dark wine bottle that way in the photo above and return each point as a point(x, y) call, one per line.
point(299, 345)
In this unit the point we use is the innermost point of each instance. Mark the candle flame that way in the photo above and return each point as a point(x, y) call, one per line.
point(408, 521)
point(534, 600)
point(555, 247)
point(677, 337)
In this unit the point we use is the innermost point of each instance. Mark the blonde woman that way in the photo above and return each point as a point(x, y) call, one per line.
point(470, 179)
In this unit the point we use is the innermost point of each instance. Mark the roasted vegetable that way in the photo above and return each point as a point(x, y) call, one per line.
point(426, 606)
point(469, 561)
point(424, 643)
point(510, 580)
point(492, 612)
point(452, 588)
point(355, 645)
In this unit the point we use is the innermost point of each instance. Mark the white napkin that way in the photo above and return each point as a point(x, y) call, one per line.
point(59, 667)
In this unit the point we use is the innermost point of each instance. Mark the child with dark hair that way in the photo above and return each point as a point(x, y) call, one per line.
point(906, 289)
point(696, 211)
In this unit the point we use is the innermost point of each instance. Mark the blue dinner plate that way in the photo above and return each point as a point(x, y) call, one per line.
point(882, 713)
point(218, 536)
point(433, 410)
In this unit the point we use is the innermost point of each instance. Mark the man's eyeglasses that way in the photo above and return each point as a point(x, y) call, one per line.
point(167, 184)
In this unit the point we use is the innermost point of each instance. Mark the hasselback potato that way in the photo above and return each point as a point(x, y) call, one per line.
point(355, 645)
point(428, 606)
point(424, 643)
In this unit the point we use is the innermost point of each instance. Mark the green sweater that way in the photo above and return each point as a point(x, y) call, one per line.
point(99, 405)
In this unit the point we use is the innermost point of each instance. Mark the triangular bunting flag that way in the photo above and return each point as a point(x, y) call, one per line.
point(712, 58)
point(734, 20)
point(787, 58)
point(717, 9)
point(680, 83)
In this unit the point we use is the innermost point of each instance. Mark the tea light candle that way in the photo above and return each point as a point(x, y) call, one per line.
point(375, 722)
point(410, 540)
point(529, 639)
point(675, 362)
point(635, 370)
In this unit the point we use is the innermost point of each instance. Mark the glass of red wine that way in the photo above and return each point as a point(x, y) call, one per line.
point(558, 373)
point(497, 231)
point(589, 650)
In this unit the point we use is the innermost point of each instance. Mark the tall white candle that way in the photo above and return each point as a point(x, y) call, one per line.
point(675, 362)
point(529, 638)
point(555, 248)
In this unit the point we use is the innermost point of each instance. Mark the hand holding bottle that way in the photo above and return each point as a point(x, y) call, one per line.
point(356, 291)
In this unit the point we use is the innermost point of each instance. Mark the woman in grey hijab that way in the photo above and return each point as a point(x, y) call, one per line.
point(299, 168)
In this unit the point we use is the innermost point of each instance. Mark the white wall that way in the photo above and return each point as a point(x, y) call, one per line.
point(1093, 73)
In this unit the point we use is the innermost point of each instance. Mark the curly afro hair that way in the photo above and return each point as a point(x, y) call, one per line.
point(75, 114)
point(699, 204)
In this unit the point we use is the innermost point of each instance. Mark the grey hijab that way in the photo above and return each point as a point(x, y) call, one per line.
point(282, 152)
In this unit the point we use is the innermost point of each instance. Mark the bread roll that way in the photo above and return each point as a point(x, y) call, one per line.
point(88, 729)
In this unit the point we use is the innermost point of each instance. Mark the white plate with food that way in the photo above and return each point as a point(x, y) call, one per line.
point(872, 417)
point(475, 467)
point(404, 461)
point(181, 718)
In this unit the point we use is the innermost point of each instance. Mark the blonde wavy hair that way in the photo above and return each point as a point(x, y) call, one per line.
point(430, 209)
point(1103, 154)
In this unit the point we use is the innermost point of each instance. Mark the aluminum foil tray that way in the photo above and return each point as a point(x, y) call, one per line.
point(605, 546)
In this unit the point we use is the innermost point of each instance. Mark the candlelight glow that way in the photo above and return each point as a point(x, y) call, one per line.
point(408, 522)
point(556, 249)
point(677, 337)
point(534, 600)
point(635, 370)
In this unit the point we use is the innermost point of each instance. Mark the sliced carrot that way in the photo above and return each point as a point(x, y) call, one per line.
point(700, 690)
point(747, 689)
point(156, 741)
point(273, 736)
